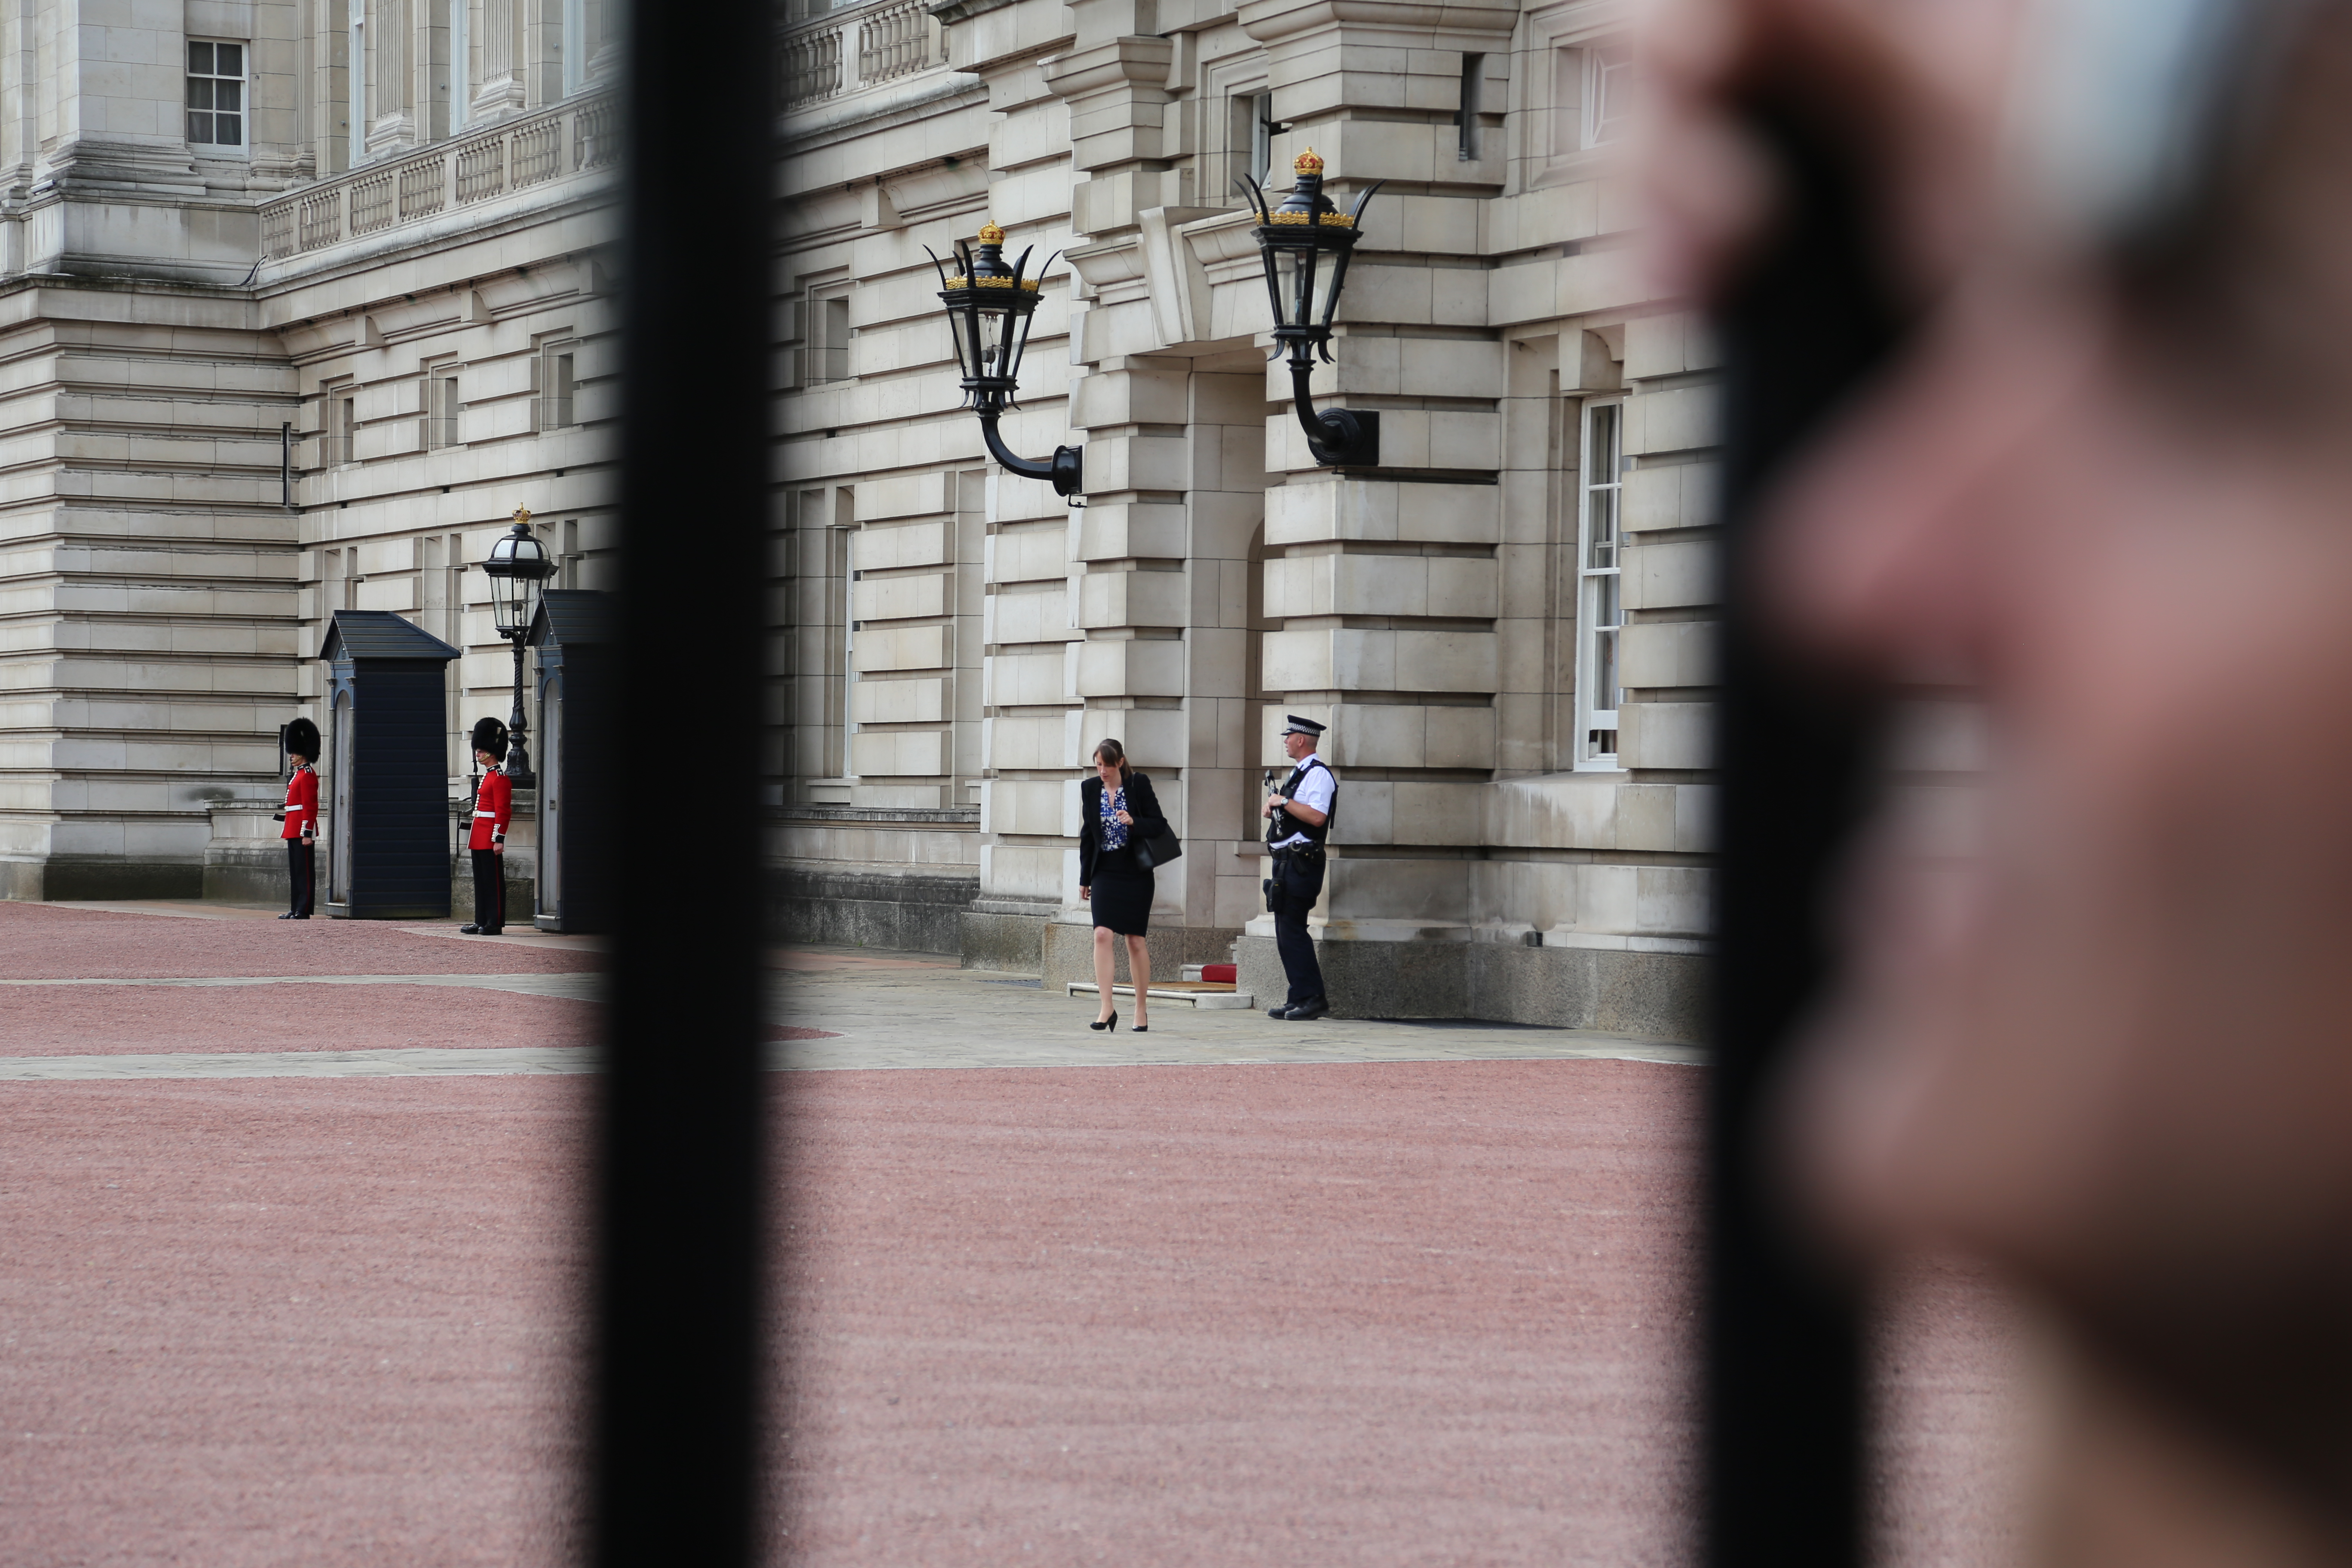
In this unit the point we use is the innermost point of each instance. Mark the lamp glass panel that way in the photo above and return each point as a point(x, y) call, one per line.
point(991, 343)
point(1303, 280)
point(506, 602)
point(959, 329)
point(1016, 342)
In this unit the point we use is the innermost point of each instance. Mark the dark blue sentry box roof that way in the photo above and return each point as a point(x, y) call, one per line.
point(379, 634)
point(570, 616)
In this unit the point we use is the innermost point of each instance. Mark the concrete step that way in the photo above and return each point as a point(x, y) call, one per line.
point(1183, 993)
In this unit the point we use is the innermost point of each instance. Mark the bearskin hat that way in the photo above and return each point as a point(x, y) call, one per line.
point(302, 740)
point(490, 735)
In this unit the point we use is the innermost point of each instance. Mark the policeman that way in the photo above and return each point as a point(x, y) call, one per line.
point(301, 817)
point(493, 805)
point(1298, 816)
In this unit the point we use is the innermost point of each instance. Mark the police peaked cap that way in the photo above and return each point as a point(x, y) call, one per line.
point(302, 740)
point(490, 735)
point(1297, 726)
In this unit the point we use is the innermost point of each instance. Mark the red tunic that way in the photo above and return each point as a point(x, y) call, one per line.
point(302, 804)
point(493, 805)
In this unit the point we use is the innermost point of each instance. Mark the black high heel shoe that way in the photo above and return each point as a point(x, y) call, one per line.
point(1140, 1029)
point(1110, 1022)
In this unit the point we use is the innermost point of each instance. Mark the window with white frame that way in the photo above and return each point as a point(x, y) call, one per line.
point(355, 75)
point(1600, 608)
point(1608, 93)
point(461, 64)
point(216, 106)
point(574, 42)
point(1262, 132)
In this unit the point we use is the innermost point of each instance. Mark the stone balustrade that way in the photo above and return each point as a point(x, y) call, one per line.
point(851, 46)
point(576, 137)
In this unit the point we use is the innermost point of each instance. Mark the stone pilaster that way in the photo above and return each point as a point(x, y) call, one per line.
point(498, 46)
point(392, 81)
point(1385, 586)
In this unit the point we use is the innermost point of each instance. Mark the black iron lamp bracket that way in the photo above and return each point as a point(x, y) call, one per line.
point(1066, 471)
point(1304, 233)
point(1337, 437)
point(991, 304)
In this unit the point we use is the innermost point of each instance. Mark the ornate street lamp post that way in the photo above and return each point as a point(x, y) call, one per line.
point(989, 311)
point(518, 568)
point(1294, 241)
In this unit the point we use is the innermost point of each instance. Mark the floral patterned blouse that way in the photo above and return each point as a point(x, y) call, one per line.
point(1114, 831)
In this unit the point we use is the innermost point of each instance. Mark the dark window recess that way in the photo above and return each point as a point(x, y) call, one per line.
point(1466, 118)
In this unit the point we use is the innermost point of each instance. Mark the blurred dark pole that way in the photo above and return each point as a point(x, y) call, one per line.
point(1785, 1443)
point(678, 1369)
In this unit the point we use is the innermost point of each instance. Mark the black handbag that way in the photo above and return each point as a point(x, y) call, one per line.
point(1158, 850)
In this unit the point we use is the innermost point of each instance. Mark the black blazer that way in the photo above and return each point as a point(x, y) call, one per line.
point(1141, 804)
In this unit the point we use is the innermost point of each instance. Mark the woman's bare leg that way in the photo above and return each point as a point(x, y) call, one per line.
point(1103, 964)
point(1139, 969)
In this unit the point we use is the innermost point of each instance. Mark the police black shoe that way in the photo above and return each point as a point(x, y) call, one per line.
point(1281, 1012)
point(469, 931)
point(1306, 1010)
point(289, 915)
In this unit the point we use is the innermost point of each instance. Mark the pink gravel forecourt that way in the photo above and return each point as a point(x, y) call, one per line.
point(106, 1020)
point(49, 942)
point(1347, 1313)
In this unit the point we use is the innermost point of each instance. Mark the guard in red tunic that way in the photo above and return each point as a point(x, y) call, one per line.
point(493, 807)
point(301, 815)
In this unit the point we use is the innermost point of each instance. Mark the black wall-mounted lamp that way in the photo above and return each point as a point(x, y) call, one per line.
point(989, 310)
point(1294, 239)
point(518, 567)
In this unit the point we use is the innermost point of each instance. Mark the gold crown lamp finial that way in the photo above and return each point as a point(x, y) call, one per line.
point(1308, 162)
point(990, 234)
point(522, 517)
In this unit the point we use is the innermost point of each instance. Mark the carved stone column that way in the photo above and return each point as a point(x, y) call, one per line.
point(501, 91)
point(392, 87)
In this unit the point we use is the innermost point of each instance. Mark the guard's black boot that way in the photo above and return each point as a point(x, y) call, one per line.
point(1281, 1012)
point(1314, 1008)
point(470, 929)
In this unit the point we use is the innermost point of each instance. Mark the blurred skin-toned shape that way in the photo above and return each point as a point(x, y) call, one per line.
point(2111, 1049)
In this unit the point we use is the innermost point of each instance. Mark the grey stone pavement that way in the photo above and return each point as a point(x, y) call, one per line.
point(874, 1010)
point(900, 1011)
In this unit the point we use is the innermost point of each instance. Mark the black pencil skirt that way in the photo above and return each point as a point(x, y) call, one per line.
point(1122, 893)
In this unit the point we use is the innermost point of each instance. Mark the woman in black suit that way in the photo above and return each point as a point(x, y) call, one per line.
point(1118, 812)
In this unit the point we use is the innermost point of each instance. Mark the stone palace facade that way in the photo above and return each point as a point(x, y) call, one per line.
point(299, 301)
point(302, 298)
point(1507, 624)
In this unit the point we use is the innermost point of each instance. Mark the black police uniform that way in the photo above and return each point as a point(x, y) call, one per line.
point(1297, 883)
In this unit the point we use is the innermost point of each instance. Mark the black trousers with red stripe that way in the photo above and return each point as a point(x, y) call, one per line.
point(489, 888)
